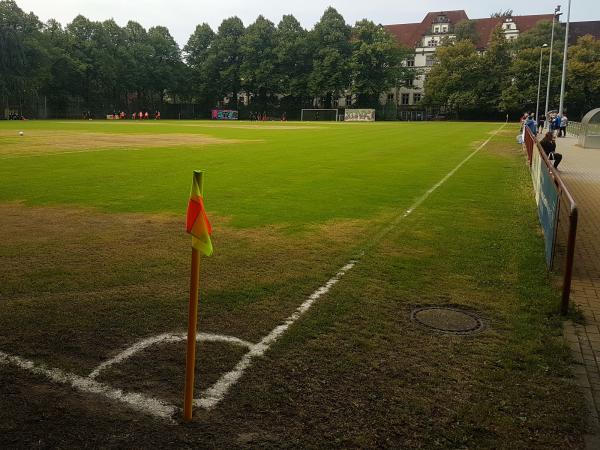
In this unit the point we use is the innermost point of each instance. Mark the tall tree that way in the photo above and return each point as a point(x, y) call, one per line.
point(166, 62)
point(375, 62)
point(200, 58)
point(495, 64)
point(465, 30)
point(583, 79)
point(452, 81)
point(293, 53)
point(331, 68)
point(228, 58)
point(257, 71)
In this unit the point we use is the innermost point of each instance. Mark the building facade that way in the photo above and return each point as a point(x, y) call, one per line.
point(436, 27)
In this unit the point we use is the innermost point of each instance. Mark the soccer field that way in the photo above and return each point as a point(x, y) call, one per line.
point(360, 223)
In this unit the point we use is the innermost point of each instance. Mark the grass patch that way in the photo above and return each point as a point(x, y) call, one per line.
point(93, 257)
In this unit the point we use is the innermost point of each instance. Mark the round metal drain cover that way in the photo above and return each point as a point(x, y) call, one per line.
point(447, 320)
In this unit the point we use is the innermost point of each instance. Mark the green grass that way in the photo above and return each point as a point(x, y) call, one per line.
point(290, 178)
point(93, 257)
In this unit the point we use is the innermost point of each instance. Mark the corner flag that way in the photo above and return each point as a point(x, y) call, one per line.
point(197, 220)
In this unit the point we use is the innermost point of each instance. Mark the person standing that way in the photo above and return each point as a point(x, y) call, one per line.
point(563, 125)
point(530, 123)
point(557, 124)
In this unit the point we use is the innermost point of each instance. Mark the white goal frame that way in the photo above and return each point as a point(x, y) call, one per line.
point(337, 116)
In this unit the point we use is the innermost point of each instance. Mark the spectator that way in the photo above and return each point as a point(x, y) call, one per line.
point(563, 126)
point(556, 123)
point(548, 144)
point(541, 122)
point(530, 123)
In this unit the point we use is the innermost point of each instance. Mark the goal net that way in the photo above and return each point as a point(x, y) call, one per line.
point(319, 115)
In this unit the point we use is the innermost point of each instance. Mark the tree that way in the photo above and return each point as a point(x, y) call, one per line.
point(495, 65)
point(200, 58)
point(502, 14)
point(583, 79)
point(23, 55)
point(521, 92)
point(257, 71)
point(166, 62)
point(330, 74)
point(453, 80)
point(375, 63)
point(228, 58)
point(293, 53)
point(465, 31)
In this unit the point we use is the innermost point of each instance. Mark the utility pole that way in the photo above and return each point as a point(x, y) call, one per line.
point(537, 104)
point(564, 68)
point(557, 14)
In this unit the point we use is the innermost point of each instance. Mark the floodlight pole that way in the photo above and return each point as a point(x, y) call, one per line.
point(537, 105)
point(564, 67)
point(556, 14)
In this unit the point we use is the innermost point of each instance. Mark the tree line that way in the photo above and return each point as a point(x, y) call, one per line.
point(504, 79)
point(103, 66)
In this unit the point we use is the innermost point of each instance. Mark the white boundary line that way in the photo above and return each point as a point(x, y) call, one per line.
point(217, 391)
point(214, 394)
point(135, 400)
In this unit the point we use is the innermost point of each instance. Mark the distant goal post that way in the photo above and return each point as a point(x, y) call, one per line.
point(319, 114)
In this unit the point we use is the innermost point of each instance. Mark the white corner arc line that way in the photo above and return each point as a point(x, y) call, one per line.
point(167, 338)
point(214, 394)
point(137, 401)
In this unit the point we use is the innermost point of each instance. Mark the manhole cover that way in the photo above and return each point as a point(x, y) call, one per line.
point(448, 320)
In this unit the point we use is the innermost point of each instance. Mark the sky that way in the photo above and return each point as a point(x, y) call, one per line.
point(182, 16)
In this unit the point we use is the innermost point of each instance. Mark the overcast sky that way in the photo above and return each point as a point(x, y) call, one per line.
point(182, 16)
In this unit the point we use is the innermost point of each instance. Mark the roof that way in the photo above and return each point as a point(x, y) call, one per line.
point(578, 29)
point(410, 34)
point(485, 27)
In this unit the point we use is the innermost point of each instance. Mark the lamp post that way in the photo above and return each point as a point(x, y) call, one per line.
point(564, 68)
point(537, 104)
point(557, 13)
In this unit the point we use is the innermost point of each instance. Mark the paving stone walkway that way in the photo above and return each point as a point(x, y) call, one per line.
point(580, 169)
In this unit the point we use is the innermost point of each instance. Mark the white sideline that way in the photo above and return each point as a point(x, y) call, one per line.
point(137, 401)
point(217, 391)
point(214, 394)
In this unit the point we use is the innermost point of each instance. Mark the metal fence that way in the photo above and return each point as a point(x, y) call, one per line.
point(559, 220)
point(574, 128)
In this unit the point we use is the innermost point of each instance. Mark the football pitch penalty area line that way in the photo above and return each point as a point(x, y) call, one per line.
point(214, 394)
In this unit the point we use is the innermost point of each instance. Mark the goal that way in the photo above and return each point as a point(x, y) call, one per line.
point(319, 115)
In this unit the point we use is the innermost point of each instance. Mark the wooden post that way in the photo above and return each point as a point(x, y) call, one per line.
point(190, 360)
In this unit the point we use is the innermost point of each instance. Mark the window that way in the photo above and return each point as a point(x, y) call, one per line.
point(410, 62)
point(410, 82)
point(432, 43)
point(416, 98)
point(348, 100)
point(429, 60)
point(405, 99)
point(436, 29)
point(390, 98)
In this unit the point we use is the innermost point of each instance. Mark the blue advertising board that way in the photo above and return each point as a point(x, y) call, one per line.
point(547, 209)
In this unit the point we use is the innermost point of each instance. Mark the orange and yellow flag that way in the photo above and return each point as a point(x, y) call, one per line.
point(197, 221)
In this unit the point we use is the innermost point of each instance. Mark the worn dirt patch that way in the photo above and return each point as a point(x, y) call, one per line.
point(93, 282)
point(42, 143)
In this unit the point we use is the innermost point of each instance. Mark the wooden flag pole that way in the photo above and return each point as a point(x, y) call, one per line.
point(190, 360)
